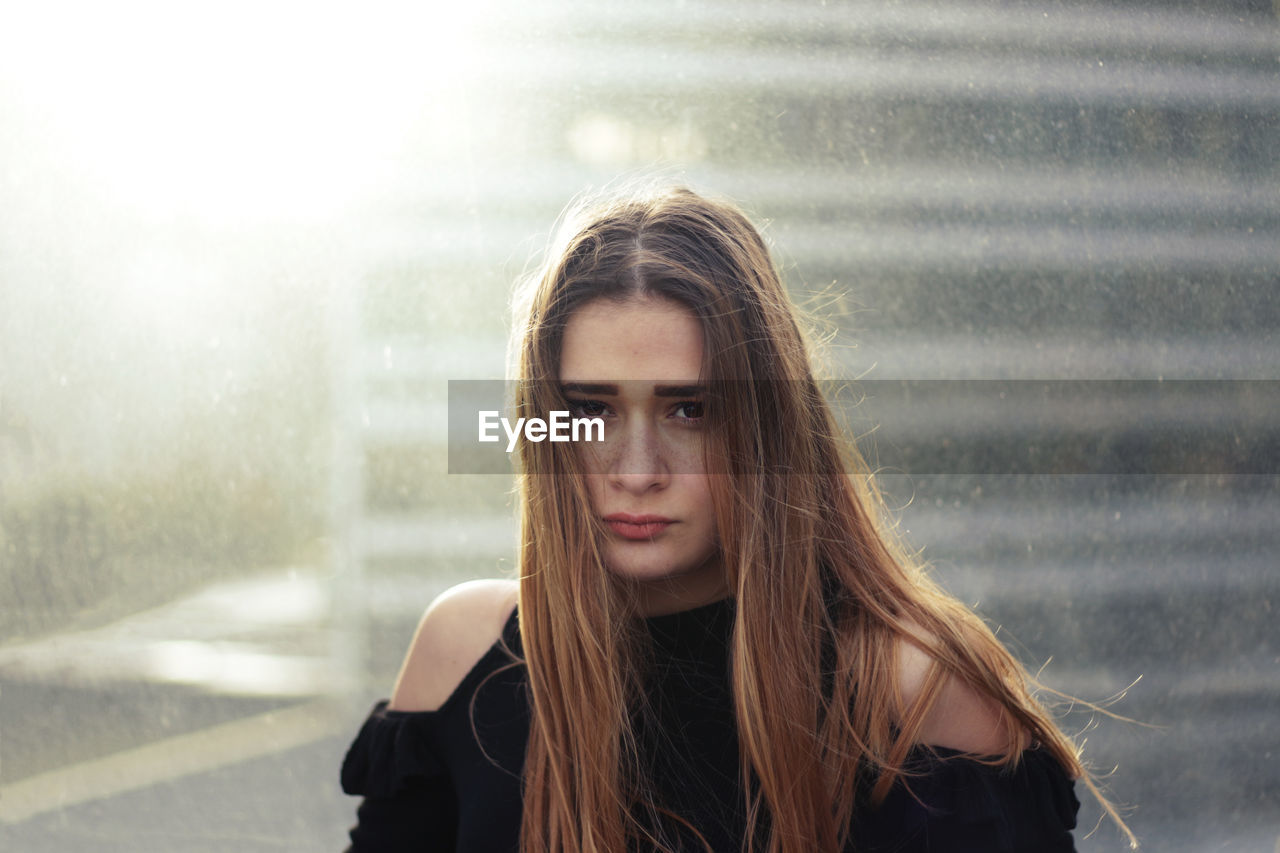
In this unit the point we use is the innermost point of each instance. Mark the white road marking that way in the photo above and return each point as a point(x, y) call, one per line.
point(169, 759)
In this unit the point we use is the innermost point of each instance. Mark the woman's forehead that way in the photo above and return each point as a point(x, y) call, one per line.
point(649, 339)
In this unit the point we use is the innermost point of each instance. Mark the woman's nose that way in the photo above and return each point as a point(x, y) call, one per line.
point(638, 464)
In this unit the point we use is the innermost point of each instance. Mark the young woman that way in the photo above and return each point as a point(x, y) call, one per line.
point(713, 643)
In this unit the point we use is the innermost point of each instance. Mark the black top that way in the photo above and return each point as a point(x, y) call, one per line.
point(431, 781)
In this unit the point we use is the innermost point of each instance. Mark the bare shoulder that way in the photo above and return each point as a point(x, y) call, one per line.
point(962, 718)
point(455, 632)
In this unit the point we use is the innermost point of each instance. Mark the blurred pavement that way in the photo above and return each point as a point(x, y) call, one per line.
point(200, 725)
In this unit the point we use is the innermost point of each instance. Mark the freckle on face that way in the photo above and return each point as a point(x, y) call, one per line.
point(652, 465)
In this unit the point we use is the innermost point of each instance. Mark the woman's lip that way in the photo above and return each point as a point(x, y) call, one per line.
point(638, 519)
point(637, 526)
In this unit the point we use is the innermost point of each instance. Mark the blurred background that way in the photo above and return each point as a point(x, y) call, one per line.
point(245, 246)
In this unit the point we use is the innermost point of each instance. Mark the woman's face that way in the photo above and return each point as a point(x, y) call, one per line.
point(637, 365)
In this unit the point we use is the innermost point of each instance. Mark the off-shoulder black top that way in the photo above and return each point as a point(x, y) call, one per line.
point(449, 779)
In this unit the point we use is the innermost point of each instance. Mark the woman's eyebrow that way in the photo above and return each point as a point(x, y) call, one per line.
point(596, 388)
point(604, 389)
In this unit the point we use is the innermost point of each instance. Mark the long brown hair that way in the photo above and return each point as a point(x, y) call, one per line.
point(820, 585)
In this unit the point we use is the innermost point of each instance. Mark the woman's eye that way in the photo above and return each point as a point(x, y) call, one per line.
point(689, 410)
point(587, 408)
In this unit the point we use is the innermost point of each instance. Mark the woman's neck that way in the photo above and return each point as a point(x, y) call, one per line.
point(662, 596)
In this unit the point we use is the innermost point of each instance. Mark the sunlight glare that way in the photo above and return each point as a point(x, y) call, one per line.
point(234, 111)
